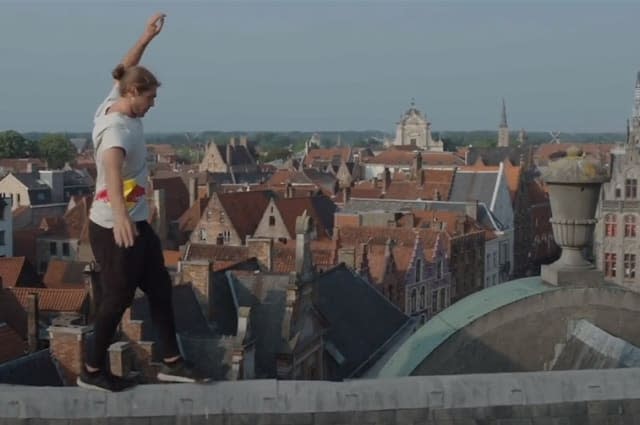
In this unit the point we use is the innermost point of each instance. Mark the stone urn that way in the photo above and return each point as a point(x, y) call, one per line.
point(574, 183)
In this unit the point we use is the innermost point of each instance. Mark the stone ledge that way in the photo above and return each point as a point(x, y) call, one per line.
point(565, 393)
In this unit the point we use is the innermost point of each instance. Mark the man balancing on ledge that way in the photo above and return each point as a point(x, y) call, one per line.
point(124, 244)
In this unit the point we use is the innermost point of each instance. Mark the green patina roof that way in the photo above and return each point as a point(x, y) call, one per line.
point(428, 337)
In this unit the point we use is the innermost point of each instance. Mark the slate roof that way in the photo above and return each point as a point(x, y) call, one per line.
point(37, 369)
point(12, 312)
point(473, 186)
point(11, 343)
point(266, 294)
point(356, 329)
point(189, 317)
point(31, 180)
point(495, 155)
point(240, 155)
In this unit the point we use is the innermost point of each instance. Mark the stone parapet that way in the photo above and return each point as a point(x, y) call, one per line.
point(586, 397)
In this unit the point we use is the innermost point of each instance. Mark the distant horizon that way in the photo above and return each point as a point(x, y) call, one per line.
point(563, 66)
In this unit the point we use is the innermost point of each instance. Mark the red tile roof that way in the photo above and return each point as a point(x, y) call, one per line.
point(337, 154)
point(10, 269)
point(216, 253)
point(59, 300)
point(189, 220)
point(399, 157)
point(320, 208)
point(62, 274)
point(512, 174)
point(12, 345)
point(245, 209)
point(176, 196)
point(171, 258)
point(284, 257)
point(437, 185)
point(21, 165)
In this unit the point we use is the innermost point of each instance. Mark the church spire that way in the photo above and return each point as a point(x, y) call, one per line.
point(503, 129)
point(503, 117)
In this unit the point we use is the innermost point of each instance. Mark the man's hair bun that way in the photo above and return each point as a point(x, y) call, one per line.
point(118, 72)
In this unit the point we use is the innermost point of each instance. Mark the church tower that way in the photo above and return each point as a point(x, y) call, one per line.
point(503, 129)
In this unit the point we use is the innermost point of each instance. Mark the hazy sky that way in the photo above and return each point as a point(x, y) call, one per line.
point(320, 65)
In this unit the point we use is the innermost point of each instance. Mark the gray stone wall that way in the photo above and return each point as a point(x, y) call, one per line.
point(554, 398)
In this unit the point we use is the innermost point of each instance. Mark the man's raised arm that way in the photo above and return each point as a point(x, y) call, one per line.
point(153, 28)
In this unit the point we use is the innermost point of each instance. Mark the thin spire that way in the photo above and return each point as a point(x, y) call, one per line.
point(503, 118)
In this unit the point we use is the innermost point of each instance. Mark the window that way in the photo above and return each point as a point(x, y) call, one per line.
point(272, 220)
point(18, 198)
point(227, 235)
point(434, 301)
point(418, 270)
point(413, 141)
point(488, 260)
point(202, 234)
point(631, 188)
point(618, 194)
point(53, 248)
point(629, 226)
point(610, 264)
point(209, 215)
point(610, 225)
point(413, 300)
point(495, 259)
point(2, 236)
point(221, 216)
point(65, 249)
point(629, 266)
point(422, 298)
point(439, 271)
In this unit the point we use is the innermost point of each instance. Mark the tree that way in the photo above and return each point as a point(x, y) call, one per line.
point(56, 150)
point(12, 144)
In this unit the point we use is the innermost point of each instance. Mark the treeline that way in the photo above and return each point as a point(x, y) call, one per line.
point(54, 149)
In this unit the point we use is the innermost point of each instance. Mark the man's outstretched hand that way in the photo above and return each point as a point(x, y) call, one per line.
point(154, 26)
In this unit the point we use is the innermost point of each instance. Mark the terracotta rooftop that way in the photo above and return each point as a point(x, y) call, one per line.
point(245, 209)
point(171, 258)
point(62, 274)
point(334, 155)
point(226, 253)
point(320, 208)
point(189, 220)
point(59, 300)
point(10, 270)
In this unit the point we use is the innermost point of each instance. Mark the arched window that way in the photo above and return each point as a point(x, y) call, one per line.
point(422, 297)
point(413, 300)
point(629, 226)
point(610, 224)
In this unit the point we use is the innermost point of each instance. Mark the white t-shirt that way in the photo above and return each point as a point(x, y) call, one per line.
point(118, 130)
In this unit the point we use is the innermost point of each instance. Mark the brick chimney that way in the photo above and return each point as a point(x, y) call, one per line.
point(416, 166)
point(289, 192)
point(304, 260)
point(386, 180)
point(346, 194)
point(66, 344)
point(229, 156)
point(91, 274)
point(33, 320)
point(262, 249)
point(121, 358)
point(193, 190)
point(199, 273)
